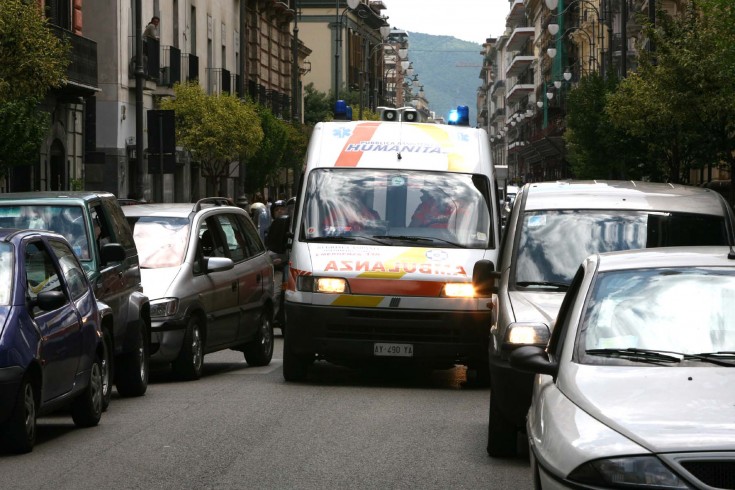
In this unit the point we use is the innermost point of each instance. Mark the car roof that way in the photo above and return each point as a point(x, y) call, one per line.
point(174, 210)
point(55, 196)
point(665, 257)
point(611, 194)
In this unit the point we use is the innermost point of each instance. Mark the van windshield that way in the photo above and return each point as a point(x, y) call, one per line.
point(403, 208)
point(553, 243)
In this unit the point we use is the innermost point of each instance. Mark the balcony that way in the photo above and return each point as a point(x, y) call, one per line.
point(81, 74)
point(518, 91)
point(497, 86)
point(517, 13)
point(519, 38)
point(519, 65)
point(190, 67)
point(171, 66)
point(220, 80)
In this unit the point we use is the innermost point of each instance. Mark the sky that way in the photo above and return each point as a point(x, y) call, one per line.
point(469, 20)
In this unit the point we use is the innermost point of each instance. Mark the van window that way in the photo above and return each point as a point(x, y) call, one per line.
point(553, 243)
point(416, 208)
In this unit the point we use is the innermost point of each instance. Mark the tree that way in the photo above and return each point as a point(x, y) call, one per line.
point(32, 61)
point(317, 105)
point(681, 101)
point(265, 164)
point(216, 129)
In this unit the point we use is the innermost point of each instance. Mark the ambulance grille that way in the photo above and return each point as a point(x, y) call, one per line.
point(394, 326)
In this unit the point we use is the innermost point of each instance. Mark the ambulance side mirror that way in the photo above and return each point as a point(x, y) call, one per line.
point(484, 278)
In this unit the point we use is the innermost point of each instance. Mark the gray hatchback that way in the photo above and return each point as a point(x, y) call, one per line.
point(210, 281)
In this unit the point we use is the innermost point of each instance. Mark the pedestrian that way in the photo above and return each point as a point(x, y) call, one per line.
point(151, 30)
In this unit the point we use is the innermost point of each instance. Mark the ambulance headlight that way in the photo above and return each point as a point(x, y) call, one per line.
point(458, 290)
point(329, 285)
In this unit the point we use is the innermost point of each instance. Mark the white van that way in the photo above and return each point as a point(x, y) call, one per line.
point(391, 217)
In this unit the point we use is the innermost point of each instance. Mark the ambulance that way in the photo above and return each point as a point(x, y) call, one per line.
point(391, 217)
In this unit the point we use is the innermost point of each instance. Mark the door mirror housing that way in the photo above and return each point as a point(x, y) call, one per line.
point(533, 359)
point(111, 252)
point(484, 278)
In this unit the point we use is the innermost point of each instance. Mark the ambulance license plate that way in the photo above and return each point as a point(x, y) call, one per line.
point(393, 350)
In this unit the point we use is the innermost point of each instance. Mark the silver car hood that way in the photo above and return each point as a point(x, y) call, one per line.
point(536, 306)
point(661, 408)
point(156, 282)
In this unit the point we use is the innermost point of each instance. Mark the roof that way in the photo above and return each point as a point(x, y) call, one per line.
point(666, 257)
point(55, 195)
point(399, 145)
point(633, 195)
point(171, 210)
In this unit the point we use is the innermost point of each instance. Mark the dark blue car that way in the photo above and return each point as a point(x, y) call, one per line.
point(50, 336)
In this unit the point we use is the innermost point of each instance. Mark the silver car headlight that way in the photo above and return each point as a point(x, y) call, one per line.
point(164, 307)
point(627, 472)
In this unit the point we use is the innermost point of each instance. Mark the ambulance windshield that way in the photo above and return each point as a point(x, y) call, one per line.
point(398, 208)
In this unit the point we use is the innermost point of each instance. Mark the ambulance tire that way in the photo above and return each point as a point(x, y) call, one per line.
point(295, 366)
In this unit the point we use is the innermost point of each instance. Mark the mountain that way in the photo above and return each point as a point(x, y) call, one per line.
point(449, 70)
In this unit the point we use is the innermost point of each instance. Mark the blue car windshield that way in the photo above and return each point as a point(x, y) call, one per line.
point(6, 273)
point(554, 242)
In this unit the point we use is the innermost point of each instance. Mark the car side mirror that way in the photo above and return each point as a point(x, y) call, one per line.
point(111, 252)
point(50, 300)
point(533, 359)
point(484, 278)
point(218, 264)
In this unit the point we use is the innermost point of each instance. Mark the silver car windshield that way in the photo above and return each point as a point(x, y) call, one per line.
point(402, 208)
point(161, 241)
point(553, 243)
point(674, 312)
point(6, 273)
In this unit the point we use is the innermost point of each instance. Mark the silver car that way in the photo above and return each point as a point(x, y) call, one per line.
point(552, 228)
point(209, 279)
point(635, 388)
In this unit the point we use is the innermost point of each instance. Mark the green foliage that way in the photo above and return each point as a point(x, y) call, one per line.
point(32, 58)
point(317, 105)
point(681, 101)
point(264, 165)
point(595, 148)
point(216, 129)
point(22, 129)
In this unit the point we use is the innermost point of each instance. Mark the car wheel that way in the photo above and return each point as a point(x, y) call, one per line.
point(259, 352)
point(131, 371)
point(86, 409)
point(501, 432)
point(295, 367)
point(107, 376)
point(20, 428)
point(188, 364)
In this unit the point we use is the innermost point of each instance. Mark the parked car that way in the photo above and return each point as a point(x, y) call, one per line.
point(635, 388)
point(210, 281)
point(95, 226)
point(552, 228)
point(51, 347)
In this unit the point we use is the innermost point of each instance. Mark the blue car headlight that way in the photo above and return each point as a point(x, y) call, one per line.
point(627, 472)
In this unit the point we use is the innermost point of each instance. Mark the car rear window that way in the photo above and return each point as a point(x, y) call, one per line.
point(553, 243)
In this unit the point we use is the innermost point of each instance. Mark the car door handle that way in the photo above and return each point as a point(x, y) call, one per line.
point(234, 285)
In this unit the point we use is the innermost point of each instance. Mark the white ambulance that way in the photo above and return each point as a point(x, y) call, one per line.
point(391, 217)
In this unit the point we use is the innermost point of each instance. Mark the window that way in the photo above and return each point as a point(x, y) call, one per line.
point(41, 274)
point(254, 243)
point(236, 243)
point(70, 268)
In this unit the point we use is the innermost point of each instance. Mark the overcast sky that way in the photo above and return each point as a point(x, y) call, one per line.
point(469, 20)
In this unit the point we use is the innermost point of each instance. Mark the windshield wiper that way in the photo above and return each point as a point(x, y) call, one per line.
point(410, 238)
point(546, 284)
point(642, 355)
point(720, 358)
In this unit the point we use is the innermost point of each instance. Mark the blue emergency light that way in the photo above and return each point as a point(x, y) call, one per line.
point(459, 116)
point(340, 110)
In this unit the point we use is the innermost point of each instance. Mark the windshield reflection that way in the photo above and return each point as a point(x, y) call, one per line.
point(554, 243)
point(397, 207)
point(688, 311)
point(161, 242)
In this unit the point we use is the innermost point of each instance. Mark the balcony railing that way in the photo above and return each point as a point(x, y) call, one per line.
point(82, 69)
point(278, 103)
point(190, 67)
point(171, 66)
